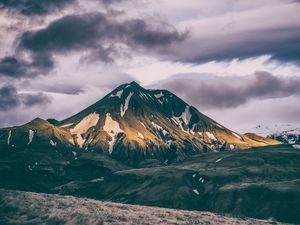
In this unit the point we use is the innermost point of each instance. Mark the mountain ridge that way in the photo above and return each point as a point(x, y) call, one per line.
point(133, 124)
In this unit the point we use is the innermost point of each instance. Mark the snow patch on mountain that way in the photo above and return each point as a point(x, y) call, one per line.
point(118, 94)
point(126, 104)
point(143, 124)
point(112, 128)
point(159, 95)
point(177, 121)
point(30, 136)
point(83, 126)
point(196, 191)
point(71, 140)
point(144, 96)
point(140, 135)
point(211, 136)
point(186, 115)
point(169, 143)
point(236, 135)
point(218, 160)
point(185, 118)
point(9, 137)
point(53, 143)
point(157, 127)
point(66, 125)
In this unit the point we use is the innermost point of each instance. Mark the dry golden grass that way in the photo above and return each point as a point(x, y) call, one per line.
point(32, 208)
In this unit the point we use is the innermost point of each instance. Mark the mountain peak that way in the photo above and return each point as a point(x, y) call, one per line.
point(134, 83)
point(37, 120)
point(134, 86)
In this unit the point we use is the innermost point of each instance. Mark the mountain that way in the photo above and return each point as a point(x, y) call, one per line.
point(288, 136)
point(285, 133)
point(38, 132)
point(271, 129)
point(157, 151)
point(133, 124)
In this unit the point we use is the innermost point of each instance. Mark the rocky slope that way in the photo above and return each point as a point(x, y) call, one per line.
point(133, 124)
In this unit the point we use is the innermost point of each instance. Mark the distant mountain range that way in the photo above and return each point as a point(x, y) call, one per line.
point(285, 133)
point(132, 124)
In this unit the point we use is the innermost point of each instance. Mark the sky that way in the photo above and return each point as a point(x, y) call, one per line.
point(237, 61)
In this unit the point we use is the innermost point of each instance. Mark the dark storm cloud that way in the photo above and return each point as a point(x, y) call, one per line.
point(72, 32)
point(138, 32)
point(230, 94)
point(10, 66)
point(89, 31)
point(95, 33)
point(34, 7)
point(10, 98)
point(16, 67)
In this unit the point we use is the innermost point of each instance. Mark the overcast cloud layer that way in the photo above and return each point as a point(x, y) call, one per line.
point(231, 92)
point(224, 57)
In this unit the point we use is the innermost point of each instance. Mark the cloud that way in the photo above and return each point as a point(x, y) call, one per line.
point(10, 66)
point(281, 43)
point(34, 7)
point(10, 98)
point(240, 34)
point(94, 30)
point(233, 92)
point(68, 89)
point(35, 99)
point(138, 32)
point(16, 67)
point(72, 32)
point(93, 33)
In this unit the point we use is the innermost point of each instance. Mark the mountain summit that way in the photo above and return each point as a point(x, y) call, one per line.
point(132, 124)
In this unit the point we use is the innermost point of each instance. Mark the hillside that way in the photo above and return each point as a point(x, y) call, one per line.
point(132, 124)
point(32, 208)
point(259, 183)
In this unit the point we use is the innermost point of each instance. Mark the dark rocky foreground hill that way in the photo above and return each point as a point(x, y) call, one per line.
point(260, 183)
point(21, 208)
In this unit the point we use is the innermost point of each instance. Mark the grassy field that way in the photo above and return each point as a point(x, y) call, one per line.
point(22, 208)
